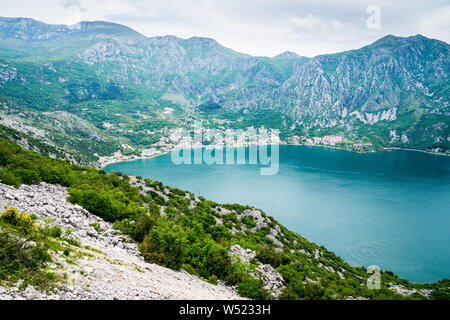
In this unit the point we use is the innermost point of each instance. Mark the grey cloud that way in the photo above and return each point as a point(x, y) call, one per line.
point(68, 3)
point(132, 17)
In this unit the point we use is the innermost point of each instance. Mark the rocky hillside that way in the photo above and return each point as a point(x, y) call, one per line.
point(392, 93)
point(55, 134)
point(107, 265)
point(107, 232)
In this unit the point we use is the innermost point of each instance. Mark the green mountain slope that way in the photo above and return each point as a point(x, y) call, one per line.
point(392, 93)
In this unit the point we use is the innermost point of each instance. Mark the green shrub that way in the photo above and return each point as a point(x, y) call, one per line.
point(11, 215)
point(26, 223)
point(21, 260)
point(54, 231)
point(97, 227)
point(314, 291)
point(165, 244)
point(206, 256)
point(10, 179)
point(249, 222)
point(73, 242)
point(23, 221)
point(28, 176)
point(221, 232)
point(98, 203)
point(252, 288)
point(143, 226)
point(213, 280)
point(268, 255)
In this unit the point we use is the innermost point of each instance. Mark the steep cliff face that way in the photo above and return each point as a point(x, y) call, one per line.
point(392, 72)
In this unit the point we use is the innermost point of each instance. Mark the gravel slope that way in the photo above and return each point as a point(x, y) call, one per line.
point(113, 267)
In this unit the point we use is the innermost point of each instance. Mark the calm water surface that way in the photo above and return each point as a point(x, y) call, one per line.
point(390, 209)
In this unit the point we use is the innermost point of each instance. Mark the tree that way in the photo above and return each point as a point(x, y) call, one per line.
point(165, 244)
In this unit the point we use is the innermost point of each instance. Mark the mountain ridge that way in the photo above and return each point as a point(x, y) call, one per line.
point(96, 25)
point(391, 93)
point(31, 29)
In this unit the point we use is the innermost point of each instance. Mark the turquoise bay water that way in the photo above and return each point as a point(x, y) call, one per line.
point(390, 209)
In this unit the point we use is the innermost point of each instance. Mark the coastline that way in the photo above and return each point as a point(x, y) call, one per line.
point(374, 151)
point(417, 150)
point(103, 165)
point(107, 163)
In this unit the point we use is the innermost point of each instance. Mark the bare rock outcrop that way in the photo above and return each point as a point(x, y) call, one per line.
point(110, 266)
point(272, 279)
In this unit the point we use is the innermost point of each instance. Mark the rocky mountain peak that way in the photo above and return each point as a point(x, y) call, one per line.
point(104, 27)
point(30, 29)
point(287, 55)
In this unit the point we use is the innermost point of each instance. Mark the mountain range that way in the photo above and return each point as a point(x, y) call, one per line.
point(392, 93)
point(84, 91)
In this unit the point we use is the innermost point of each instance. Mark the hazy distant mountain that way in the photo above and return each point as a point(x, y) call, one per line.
point(394, 92)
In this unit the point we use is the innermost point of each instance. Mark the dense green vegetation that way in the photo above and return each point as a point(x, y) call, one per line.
point(187, 236)
point(26, 250)
point(190, 242)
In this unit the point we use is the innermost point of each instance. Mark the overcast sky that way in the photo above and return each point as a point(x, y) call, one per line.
point(257, 27)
